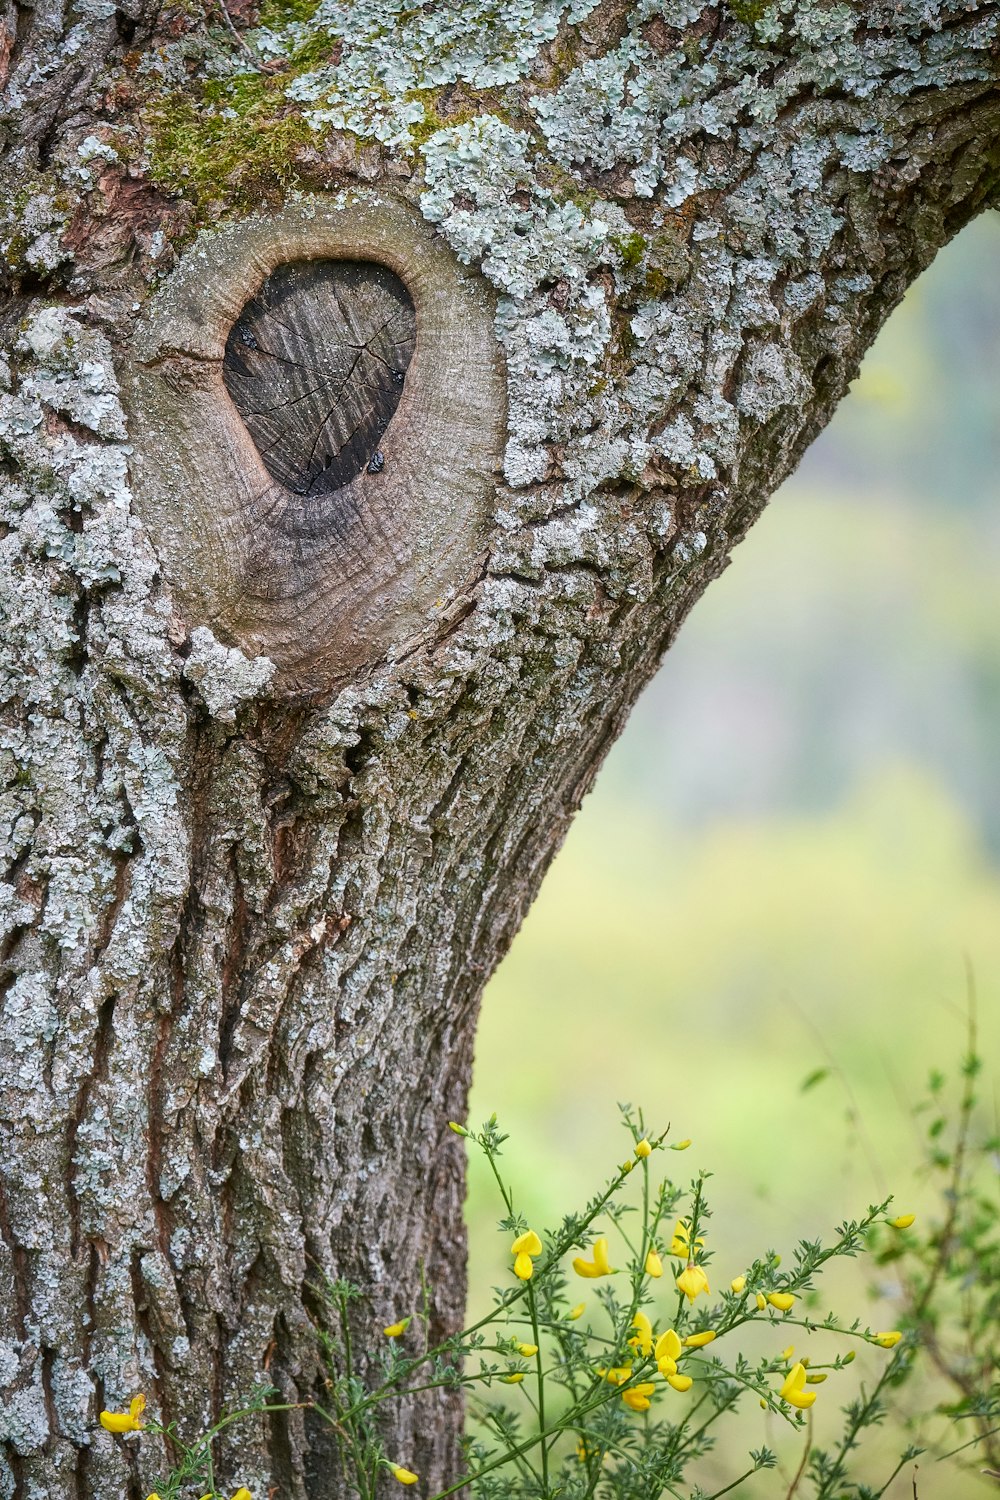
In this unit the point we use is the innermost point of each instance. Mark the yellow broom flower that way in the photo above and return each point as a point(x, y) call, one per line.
point(124, 1421)
point(699, 1340)
point(405, 1476)
point(693, 1281)
point(637, 1396)
point(643, 1340)
point(598, 1266)
point(794, 1392)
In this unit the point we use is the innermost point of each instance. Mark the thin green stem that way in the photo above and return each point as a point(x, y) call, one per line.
point(540, 1383)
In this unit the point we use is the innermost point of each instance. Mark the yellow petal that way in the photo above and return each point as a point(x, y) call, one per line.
point(643, 1149)
point(576, 1312)
point(242, 1493)
point(136, 1407)
point(527, 1243)
point(903, 1221)
point(616, 1376)
point(405, 1476)
point(668, 1345)
point(737, 1284)
point(787, 1353)
point(793, 1390)
point(816, 1379)
point(692, 1282)
point(644, 1336)
point(761, 1302)
point(119, 1421)
point(524, 1266)
point(527, 1350)
point(888, 1340)
point(681, 1145)
point(513, 1378)
point(654, 1265)
point(396, 1330)
point(680, 1382)
point(666, 1365)
point(699, 1340)
point(781, 1300)
point(600, 1254)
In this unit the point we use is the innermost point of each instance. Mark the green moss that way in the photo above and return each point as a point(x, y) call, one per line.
point(748, 11)
point(238, 136)
point(631, 248)
point(278, 13)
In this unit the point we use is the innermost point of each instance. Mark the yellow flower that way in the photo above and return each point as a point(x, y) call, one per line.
point(668, 1345)
point(693, 1281)
point(599, 1266)
point(617, 1375)
point(527, 1350)
point(794, 1392)
point(699, 1340)
point(680, 1382)
point(737, 1284)
point(761, 1301)
point(902, 1222)
point(125, 1421)
point(781, 1300)
point(576, 1312)
point(681, 1145)
point(667, 1352)
point(888, 1340)
point(524, 1247)
point(242, 1493)
point(637, 1396)
point(654, 1265)
point(513, 1377)
point(680, 1243)
point(787, 1353)
point(643, 1149)
point(643, 1340)
point(585, 1450)
point(816, 1379)
point(153, 1496)
point(405, 1476)
point(396, 1330)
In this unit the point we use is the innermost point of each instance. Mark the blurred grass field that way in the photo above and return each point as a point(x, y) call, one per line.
point(792, 854)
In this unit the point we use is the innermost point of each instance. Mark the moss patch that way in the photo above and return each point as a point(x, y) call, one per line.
point(237, 138)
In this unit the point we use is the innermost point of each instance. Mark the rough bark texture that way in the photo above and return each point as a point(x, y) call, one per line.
point(247, 911)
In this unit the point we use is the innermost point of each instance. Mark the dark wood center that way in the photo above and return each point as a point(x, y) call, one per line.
point(315, 365)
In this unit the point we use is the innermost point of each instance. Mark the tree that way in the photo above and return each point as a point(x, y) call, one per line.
point(382, 388)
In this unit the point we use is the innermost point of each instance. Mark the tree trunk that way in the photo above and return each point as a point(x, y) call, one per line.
point(314, 635)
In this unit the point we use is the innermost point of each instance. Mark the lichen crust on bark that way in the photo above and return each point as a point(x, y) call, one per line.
point(320, 586)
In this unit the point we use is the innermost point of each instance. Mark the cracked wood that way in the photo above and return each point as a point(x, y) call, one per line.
point(315, 365)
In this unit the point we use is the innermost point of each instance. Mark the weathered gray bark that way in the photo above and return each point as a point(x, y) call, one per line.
point(256, 875)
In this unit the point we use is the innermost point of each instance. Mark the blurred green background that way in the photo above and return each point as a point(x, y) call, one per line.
point(794, 849)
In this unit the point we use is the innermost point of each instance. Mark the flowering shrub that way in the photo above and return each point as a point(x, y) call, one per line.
point(607, 1362)
point(617, 1394)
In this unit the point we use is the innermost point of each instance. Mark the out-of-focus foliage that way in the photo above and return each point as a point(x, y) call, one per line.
point(795, 847)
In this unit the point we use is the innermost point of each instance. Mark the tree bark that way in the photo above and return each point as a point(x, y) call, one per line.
point(276, 795)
